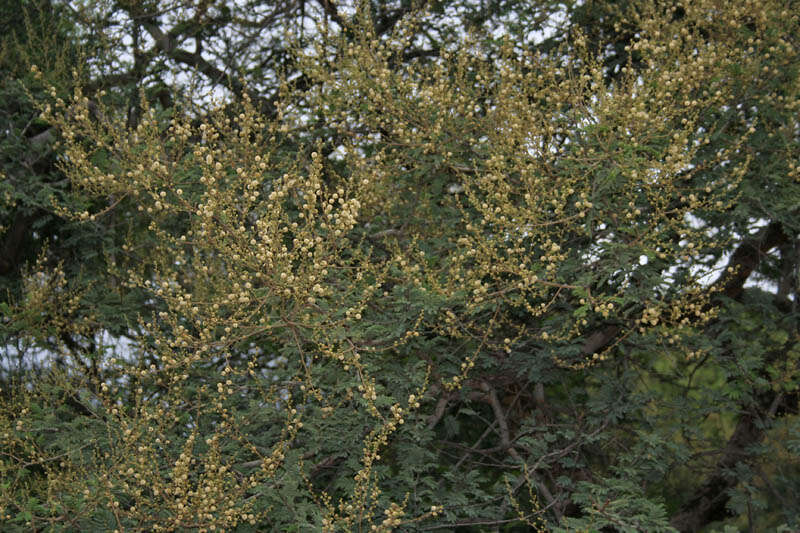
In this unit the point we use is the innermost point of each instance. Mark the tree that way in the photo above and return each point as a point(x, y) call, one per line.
point(403, 276)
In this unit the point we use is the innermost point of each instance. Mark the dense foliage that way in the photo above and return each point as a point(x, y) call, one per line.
point(395, 265)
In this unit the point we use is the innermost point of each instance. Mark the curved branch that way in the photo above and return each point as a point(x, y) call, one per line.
point(747, 256)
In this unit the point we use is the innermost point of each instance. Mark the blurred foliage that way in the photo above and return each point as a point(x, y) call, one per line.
point(461, 265)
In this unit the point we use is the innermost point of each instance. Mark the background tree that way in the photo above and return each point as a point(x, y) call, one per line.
point(384, 272)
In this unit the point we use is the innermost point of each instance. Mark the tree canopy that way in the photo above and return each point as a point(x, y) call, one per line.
point(395, 265)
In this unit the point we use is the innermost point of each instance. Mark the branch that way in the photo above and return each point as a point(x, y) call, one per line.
point(332, 12)
point(708, 503)
point(11, 251)
point(505, 439)
point(500, 416)
point(166, 43)
point(438, 412)
point(743, 262)
point(599, 339)
point(747, 256)
point(385, 233)
point(473, 522)
point(392, 19)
